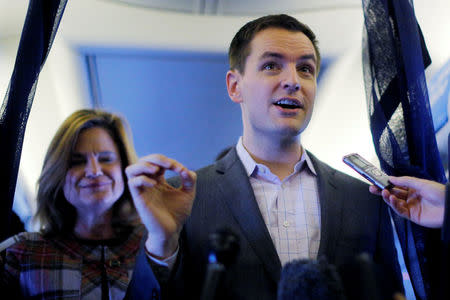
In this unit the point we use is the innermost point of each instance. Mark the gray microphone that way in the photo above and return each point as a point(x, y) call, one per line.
point(224, 248)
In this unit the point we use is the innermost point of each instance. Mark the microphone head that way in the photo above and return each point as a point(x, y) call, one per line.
point(310, 279)
point(360, 279)
point(224, 246)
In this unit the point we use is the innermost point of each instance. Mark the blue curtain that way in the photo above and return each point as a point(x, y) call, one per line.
point(41, 24)
point(394, 58)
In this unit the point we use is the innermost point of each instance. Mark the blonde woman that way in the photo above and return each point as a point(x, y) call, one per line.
point(89, 229)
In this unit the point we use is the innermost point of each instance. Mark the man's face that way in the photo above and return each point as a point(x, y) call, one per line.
point(278, 87)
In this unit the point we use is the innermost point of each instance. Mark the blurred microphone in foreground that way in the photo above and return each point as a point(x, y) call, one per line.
point(307, 279)
point(360, 279)
point(357, 279)
point(224, 248)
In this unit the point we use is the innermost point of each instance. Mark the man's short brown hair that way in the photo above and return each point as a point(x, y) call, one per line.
point(240, 45)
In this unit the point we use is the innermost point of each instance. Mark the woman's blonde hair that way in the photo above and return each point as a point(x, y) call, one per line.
point(55, 214)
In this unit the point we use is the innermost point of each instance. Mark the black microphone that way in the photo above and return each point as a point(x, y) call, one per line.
point(224, 248)
point(361, 279)
point(307, 279)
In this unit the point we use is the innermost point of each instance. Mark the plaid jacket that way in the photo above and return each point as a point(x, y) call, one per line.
point(67, 268)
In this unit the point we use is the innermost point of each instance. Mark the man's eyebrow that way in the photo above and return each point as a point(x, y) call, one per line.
point(271, 54)
point(308, 56)
point(268, 54)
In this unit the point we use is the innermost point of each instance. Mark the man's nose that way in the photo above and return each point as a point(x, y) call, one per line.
point(93, 168)
point(291, 80)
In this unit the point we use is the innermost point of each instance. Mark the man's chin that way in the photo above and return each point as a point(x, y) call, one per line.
point(291, 130)
point(287, 135)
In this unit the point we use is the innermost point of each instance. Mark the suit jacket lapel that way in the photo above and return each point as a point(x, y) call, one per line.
point(330, 208)
point(238, 196)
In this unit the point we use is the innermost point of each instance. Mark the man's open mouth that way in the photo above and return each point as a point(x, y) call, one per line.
point(289, 103)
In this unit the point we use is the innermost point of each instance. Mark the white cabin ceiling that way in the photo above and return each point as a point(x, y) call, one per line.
point(241, 7)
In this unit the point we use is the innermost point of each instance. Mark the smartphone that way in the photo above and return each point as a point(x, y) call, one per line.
point(367, 170)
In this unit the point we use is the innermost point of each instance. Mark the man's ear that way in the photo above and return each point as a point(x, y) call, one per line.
point(234, 79)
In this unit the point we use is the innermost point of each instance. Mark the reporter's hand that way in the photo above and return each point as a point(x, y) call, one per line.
point(163, 208)
point(419, 200)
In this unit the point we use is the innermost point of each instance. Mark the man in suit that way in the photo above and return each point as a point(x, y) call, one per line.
point(281, 201)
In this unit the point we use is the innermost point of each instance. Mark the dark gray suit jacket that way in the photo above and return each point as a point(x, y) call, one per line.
point(352, 221)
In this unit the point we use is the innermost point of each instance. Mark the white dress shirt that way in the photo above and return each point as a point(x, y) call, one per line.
point(290, 208)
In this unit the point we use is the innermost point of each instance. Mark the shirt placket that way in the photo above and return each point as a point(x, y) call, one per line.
point(286, 225)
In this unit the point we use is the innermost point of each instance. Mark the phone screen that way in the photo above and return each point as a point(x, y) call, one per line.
point(367, 170)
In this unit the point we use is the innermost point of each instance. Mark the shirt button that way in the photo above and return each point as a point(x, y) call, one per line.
point(286, 224)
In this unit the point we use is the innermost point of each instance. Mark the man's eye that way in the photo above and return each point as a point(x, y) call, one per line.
point(306, 69)
point(269, 66)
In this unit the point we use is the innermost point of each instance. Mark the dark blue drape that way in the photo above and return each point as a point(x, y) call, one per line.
point(41, 24)
point(394, 58)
